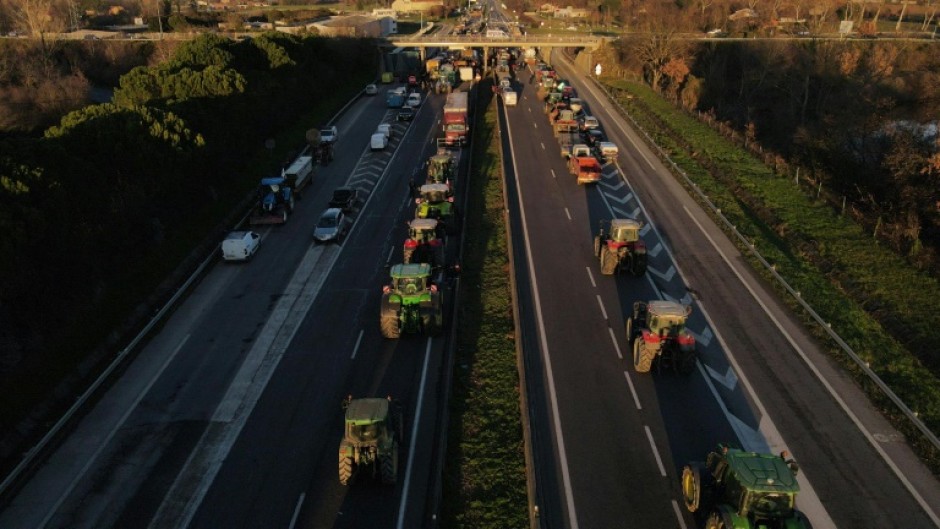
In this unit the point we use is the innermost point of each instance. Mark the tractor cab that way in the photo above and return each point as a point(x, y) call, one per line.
point(667, 318)
point(271, 192)
point(425, 242)
point(366, 420)
point(434, 194)
point(623, 231)
point(424, 231)
point(441, 168)
point(747, 489)
point(410, 279)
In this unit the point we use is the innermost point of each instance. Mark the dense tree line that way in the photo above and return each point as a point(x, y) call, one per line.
point(98, 194)
point(860, 117)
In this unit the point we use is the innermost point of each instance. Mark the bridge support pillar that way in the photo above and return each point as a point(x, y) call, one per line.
point(423, 54)
point(486, 59)
point(547, 54)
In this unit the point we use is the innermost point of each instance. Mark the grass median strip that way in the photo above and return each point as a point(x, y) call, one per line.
point(485, 480)
point(882, 307)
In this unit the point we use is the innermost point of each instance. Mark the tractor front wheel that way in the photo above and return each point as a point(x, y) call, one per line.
point(390, 326)
point(389, 469)
point(345, 470)
point(642, 357)
point(608, 261)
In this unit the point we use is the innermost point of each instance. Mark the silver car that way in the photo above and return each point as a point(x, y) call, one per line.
point(331, 227)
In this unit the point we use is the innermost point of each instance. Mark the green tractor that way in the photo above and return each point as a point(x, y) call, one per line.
point(411, 303)
point(735, 489)
point(656, 331)
point(442, 169)
point(372, 434)
point(436, 201)
point(621, 248)
point(425, 243)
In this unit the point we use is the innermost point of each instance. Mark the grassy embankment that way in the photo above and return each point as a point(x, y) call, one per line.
point(886, 310)
point(485, 479)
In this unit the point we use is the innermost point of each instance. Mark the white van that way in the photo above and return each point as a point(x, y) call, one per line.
point(510, 99)
point(240, 245)
point(378, 141)
point(386, 129)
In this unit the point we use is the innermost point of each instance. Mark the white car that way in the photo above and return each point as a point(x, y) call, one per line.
point(371, 89)
point(378, 142)
point(386, 129)
point(329, 134)
point(590, 122)
point(414, 100)
point(240, 245)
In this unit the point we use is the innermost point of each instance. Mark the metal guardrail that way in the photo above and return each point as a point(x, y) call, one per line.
point(826, 326)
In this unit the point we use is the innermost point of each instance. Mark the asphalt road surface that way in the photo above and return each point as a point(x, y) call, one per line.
point(614, 440)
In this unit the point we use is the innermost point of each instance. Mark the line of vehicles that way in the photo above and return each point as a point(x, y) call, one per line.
point(732, 488)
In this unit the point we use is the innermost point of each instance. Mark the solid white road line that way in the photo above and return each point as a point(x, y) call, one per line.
point(300, 502)
point(414, 438)
point(358, 341)
point(546, 357)
point(112, 433)
point(678, 511)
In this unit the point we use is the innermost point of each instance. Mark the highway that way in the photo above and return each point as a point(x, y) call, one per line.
point(231, 415)
point(616, 439)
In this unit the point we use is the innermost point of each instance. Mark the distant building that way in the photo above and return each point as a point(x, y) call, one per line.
point(357, 26)
point(415, 6)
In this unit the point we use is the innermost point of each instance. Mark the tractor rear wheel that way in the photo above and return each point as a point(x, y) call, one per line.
point(642, 357)
point(686, 362)
point(389, 468)
point(630, 331)
point(638, 266)
point(390, 326)
point(608, 261)
point(345, 470)
point(597, 246)
point(692, 486)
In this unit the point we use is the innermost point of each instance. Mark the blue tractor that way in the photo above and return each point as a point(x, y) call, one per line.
point(275, 202)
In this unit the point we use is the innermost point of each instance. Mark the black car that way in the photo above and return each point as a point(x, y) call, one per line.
point(344, 198)
point(406, 114)
point(592, 137)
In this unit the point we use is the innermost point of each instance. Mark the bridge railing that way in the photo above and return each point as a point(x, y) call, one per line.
point(483, 40)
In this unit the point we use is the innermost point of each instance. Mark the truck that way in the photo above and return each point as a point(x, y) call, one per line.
point(510, 99)
point(456, 128)
point(586, 168)
point(566, 141)
point(565, 122)
point(466, 73)
point(395, 98)
point(299, 174)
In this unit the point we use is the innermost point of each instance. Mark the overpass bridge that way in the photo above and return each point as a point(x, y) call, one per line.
point(545, 43)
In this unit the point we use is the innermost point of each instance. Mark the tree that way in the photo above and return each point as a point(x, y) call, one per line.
point(39, 17)
point(659, 44)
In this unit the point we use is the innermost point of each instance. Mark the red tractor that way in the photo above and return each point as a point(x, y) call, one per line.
point(621, 248)
point(656, 332)
point(425, 243)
